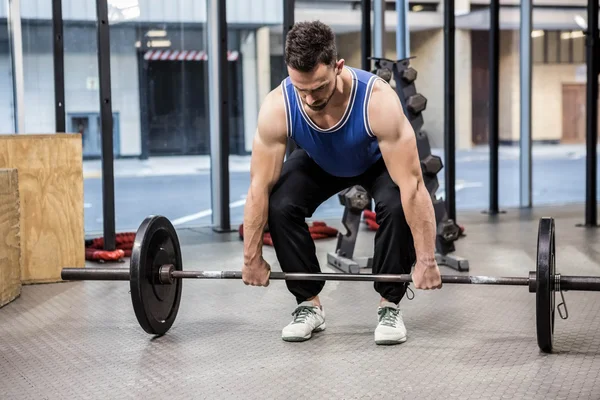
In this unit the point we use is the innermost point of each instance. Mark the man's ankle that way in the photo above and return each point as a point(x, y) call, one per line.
point(315, 300)
point(383, 300)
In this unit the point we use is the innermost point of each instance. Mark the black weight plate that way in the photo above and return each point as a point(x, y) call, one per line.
point(155, 304)
point(544, 296)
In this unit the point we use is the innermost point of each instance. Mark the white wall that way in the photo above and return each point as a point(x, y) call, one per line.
point(546, 101)
point(546, 110)
point(428, 48)
point(249, 49)
point(509, 86)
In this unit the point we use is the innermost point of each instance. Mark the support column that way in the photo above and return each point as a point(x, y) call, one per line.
point(263, 62)
point(219, 114)
point(402, 30)
point(365, 35)
point(494, 104)
point(250, 91)
point(449, 109)
point(289, 6)
point(59, 66)
point(106, 125)
point(591, 171)
point(379, 28)
point(16, 45)
point(525, 141)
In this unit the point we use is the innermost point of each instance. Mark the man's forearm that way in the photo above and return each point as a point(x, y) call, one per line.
point(255, 218)
point(420, 217)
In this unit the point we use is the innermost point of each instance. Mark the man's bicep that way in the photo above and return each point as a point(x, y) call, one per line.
point(268, 150)
point(401, 157)
point(268, 147)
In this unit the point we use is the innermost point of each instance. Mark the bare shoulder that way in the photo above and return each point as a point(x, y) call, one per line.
point(386, 115)
point(272, 117)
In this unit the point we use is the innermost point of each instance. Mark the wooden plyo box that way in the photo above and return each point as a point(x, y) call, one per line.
point(10, 246)
point(50, 174)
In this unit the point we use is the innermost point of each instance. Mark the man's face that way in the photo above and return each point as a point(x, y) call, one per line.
point(317, 86)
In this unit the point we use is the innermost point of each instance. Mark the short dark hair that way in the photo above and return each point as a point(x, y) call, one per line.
point(308, 44)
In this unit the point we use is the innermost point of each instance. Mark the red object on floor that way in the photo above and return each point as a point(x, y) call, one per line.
point(317, 229)
point(94, 250)
point(369, 217)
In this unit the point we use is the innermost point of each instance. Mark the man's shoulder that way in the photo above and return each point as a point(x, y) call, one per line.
point(361, 75)
point(274, 99)
point(382, 91)
point(384, 105)
point(272, 110)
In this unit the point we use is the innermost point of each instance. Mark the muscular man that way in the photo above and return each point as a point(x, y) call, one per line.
point(350, 128)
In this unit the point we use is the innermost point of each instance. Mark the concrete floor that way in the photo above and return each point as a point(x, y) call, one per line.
point(80, 340)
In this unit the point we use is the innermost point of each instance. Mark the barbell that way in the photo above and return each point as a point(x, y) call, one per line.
point(155, 276)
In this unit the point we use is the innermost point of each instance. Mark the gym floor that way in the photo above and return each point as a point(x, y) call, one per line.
point(80, 340)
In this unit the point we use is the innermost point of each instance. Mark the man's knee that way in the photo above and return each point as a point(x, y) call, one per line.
point(282, 208)
point(389, 208)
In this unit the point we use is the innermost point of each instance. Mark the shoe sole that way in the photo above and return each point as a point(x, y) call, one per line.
point(319, 328)
point(389, 342)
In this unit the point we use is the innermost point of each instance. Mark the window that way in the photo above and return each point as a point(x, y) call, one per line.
point(558, 47)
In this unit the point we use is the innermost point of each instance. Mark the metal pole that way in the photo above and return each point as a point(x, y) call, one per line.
point(326, 276)
point(591, 114)
point(59, 66)
point(525, 109)
point(106, 125)
point(402, 30)
point(365, 35)
point(449, 109)
point(219, 113)
point(379, 28)
point(579, 283)
point(144, 106)
point(16, 44)
point(494, 132)
point(289, 6)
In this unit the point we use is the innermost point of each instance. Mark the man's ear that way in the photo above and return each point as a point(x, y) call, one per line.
point(339, 66)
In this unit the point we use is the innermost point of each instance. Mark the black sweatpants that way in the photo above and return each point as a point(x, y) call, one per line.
point(301, 188)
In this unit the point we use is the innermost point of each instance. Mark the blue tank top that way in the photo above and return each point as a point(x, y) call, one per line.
point(349, 147)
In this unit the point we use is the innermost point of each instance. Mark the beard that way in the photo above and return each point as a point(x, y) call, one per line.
point(322, 104)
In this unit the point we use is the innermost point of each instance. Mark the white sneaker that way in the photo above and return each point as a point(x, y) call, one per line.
point(391, 329)
point(308, 318)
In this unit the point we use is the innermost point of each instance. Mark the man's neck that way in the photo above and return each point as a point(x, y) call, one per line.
point(340, 97)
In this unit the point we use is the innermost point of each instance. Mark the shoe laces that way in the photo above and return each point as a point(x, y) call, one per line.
point(388, 316)
point(301, 313)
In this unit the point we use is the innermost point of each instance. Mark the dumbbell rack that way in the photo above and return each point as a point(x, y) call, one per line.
point(448, 231)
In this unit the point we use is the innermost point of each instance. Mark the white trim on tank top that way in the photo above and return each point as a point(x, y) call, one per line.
point(368, 92)
point(347, 112)
point(288, 113)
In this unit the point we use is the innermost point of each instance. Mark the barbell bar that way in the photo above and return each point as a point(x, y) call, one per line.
point(167, 274)
point(156, 273)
